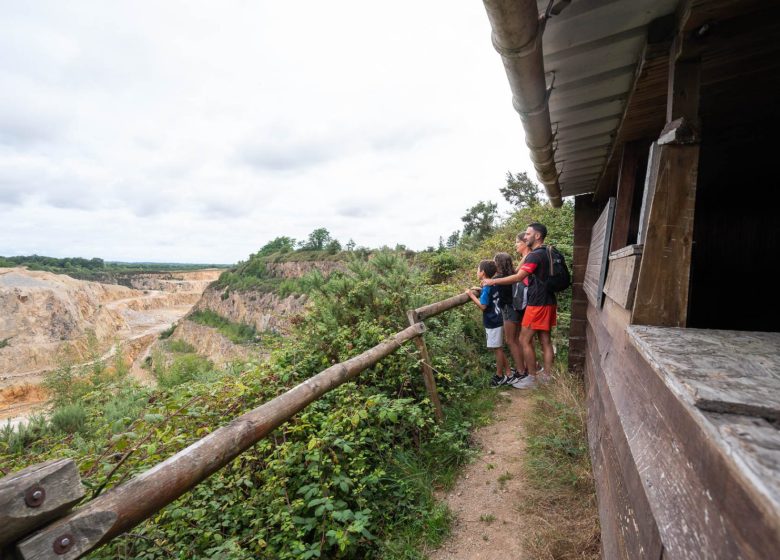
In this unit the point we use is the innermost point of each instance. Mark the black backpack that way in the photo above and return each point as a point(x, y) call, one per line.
point(559, 278)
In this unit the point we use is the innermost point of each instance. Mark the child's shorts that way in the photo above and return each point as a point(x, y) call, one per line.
point(510, 314)
point(495, 337)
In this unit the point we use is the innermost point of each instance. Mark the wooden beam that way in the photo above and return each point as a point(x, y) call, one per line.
point(682, 101)
point(427, 370)
point(31, 497)
point(629, 164)
point(661, 297)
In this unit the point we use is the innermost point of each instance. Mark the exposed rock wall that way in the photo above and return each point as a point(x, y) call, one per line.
point(210, 343)
point(264, 311)
point(296, 269)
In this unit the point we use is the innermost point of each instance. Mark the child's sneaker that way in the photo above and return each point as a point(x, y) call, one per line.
point(515, 377)
point(498, 380)
point(527, 382)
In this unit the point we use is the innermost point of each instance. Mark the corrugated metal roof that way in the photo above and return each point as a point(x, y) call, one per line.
point(591, 50)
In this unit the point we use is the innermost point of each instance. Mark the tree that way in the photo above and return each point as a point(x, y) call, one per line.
point(333, 246)
point(453, 239)
point(479, 220)
point(281, 244)
point(317, 240)
point(350, 246)
point(521, 191)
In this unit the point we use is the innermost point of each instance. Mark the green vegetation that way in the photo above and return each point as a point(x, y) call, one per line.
point(351, 476)
point(5, 342)
point(180, 347)
point(238, 333)
point(559, 500)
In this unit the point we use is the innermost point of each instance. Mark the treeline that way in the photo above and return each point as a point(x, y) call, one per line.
point(87, 268)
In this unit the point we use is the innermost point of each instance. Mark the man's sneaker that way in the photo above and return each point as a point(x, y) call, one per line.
point(515, 377)
point(498, 380)
point(527, 382)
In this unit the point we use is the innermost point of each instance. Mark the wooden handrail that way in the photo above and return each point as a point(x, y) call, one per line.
point(126, 505)
point(428, 311)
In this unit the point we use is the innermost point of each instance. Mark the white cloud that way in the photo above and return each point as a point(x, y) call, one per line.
point(198, 131)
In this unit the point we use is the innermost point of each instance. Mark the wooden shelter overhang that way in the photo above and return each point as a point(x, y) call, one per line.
point(589, 56)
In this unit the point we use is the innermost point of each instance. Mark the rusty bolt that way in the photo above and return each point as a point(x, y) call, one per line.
point(63, 543)
point(34, 496)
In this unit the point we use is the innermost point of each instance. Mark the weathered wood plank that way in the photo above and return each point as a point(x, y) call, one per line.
point(596, 269)
point(622, 277)
point(721, 371)
point(649, 190)
point(755, 443)
point(662, 288)
point(31, 497)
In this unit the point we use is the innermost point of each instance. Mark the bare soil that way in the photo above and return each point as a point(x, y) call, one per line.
point(485, 498)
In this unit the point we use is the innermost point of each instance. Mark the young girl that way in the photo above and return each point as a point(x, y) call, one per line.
point(511, 317)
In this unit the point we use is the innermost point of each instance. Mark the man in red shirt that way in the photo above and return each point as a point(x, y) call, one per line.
point(541, 312)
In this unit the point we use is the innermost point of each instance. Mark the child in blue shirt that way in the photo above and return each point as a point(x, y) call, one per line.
point(493, 321)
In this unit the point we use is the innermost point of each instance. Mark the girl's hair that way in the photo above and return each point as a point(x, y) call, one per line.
point(504, 264)
point(520, 237)
point(488, 267)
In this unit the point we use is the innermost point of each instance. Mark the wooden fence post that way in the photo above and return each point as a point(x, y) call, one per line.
point(427, 371)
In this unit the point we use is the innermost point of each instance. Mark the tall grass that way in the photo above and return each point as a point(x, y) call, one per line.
point(558, 503)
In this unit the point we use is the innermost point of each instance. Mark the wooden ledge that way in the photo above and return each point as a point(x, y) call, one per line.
point(627, 251)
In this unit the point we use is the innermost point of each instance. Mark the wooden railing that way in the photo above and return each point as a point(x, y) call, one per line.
point(44, 493)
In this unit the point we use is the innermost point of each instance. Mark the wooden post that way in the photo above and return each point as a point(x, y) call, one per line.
point(31, 497)
point(664, 274)
point(126, 505)
point(427, 371)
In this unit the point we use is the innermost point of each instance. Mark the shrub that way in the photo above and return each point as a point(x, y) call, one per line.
point(180, 347)
point(70, 418)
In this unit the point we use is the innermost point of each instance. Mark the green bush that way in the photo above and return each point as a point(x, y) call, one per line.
point(69, 418)
point(167, 332)
point(184, 368)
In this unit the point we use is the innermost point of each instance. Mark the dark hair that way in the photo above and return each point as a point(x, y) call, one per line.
point(503, 264)
point(520, 237)
point(539, 228)
point(488, 267)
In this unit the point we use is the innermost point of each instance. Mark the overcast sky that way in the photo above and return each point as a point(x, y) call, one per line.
point(198, 131)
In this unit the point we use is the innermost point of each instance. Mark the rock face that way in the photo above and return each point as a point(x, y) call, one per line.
point(264, 311)
point(296, 269)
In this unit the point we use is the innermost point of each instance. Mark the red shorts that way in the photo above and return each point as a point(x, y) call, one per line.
point(540, 317)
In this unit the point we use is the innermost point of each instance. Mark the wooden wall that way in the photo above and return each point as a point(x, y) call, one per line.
point(666, 489)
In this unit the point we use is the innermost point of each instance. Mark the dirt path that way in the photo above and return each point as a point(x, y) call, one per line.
point(484, 500)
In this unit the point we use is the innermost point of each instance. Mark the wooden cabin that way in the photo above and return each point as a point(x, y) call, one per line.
point(660, 118)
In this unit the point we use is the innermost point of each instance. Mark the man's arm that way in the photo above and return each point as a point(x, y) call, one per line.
point(506, 280)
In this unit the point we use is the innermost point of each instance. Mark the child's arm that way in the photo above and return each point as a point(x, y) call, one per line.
point(475, 299)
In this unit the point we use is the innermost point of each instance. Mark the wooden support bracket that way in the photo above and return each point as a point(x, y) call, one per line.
point(31, 497)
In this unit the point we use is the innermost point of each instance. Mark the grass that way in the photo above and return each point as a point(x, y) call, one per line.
point(558, 501)
point(167, 332)
point(238, 333)
point(5, 342)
